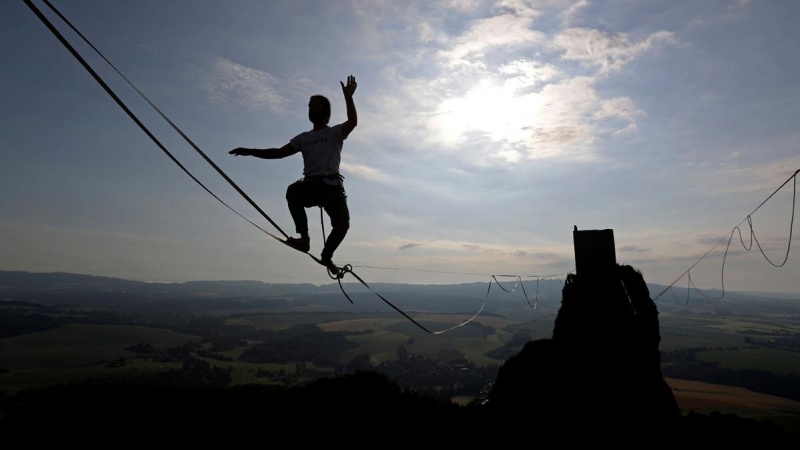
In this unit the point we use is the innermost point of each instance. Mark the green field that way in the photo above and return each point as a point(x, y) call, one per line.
point(372, 323)
point(474, 349)
point(283, 321)
point(77, 345)
point(17, 380)
point(274, 322)
point(778, 361)
point(672, 339)
point(741, 326)
point(381, 345)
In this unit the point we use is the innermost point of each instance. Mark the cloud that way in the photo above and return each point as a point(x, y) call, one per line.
point(569, 15)
point(735, 176)
point(708, 239)
point(462, 5)
point(366, 172)
point(408, 245)
point(226, 81)
point(609, 51)
point(503, 30)
point(620, 107)
point(526, 74)
point(632, 248)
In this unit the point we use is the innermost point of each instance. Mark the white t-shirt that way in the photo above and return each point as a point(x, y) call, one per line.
point(322, 151)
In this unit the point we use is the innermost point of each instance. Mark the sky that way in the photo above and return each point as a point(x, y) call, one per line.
point(487, 131)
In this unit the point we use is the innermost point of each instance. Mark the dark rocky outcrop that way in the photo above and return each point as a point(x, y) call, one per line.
point(600, 371)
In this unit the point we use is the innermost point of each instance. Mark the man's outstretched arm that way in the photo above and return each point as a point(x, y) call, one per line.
point(352, 118)
point(267, 153)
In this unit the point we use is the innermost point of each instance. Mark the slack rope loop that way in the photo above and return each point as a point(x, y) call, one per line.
point(753, 238)
point(164, 116)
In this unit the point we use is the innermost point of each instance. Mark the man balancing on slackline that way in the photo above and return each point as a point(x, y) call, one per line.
point(321, 184)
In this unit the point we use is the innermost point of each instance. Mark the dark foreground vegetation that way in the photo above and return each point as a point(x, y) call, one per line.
point(353, 407)
point(683, 364)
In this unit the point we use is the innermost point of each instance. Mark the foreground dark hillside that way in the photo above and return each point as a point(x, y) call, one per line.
point(350, 407)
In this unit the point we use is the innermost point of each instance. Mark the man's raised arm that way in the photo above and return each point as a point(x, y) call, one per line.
point(352, 117)
point(267, 153)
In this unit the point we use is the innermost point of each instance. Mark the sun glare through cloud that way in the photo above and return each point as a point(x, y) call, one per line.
point(493, 109)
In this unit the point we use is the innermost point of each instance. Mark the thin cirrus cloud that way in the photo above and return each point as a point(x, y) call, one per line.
point(228, 82)
point(499, 31)
point(632, 248)
point(407, 245)
point(569, 15)
point(733, 176)
point(608, 51)
point(366, 172)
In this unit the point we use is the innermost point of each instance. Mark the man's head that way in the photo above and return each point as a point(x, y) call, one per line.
point(319, 109)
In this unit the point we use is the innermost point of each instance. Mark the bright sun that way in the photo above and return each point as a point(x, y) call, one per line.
point(495, 111)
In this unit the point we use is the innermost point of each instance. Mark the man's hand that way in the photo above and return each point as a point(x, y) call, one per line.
point(240, 151)
point(350, 89)
point(352, 116)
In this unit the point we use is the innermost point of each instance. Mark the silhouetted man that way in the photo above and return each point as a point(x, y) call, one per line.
point(321, 184)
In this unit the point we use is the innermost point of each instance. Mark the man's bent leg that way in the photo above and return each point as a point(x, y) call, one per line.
point(296, 197)
point(340, 222)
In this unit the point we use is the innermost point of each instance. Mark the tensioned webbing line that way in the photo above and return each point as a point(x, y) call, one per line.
point(110, 92)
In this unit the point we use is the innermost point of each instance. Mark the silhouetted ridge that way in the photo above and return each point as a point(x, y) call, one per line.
point(602, 366)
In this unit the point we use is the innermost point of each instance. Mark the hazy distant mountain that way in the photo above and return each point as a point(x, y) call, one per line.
point(29, 282)
point(66, 288)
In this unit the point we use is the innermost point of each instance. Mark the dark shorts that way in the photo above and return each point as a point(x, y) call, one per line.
point(332, 198)
point(311, 193)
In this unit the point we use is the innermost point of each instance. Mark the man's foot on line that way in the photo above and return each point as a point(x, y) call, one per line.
point(330, 265)
point(301, 244)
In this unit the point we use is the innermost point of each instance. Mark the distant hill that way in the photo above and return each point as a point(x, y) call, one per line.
point(64, 289)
